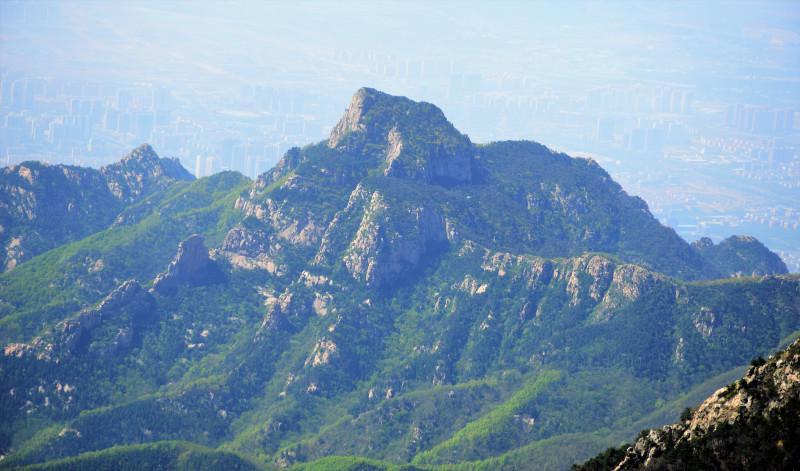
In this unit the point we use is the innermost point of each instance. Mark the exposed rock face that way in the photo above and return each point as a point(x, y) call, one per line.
point(381, 250)
point(704, 322)
point(361, 101)
point(740, 256)
point(279, 308)
point(250, 249)
point(73, 336)
point(419, 143)
point(43, 206)
point(322, 354)
point(588, 280)
point(14, 253)
point(379, 241)
point(272, 224)
point(140, 172)
point(471, 285)
point(294, 227)
point(599, 270)
point(630, 282)
point(535, 271)
point(71, 333)
point(191, 266)
point(330, 243)
point(752, 422)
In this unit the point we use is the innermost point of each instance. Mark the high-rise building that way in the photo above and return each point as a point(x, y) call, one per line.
point(198, 166)
point(145, 122)
point(604, 130)
point(18, 95)
point(209, 166)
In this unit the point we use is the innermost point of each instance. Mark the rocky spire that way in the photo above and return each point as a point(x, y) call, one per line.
point(191, 266)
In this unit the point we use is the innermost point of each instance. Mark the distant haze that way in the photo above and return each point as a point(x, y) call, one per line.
point(695, 106)
point(735, 45)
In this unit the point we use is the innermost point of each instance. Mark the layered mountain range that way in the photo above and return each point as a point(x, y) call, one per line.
point(43, 206)
point(395, 294)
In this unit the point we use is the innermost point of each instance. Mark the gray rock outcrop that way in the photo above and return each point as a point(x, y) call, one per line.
point(191, 266)
point(418, 141)
point(127, 308)
point(43, 206)
point(768, 392)
point(380, 252)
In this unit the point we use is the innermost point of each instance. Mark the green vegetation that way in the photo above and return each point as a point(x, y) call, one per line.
point(43, 206)
point(498, 431)
point(740, 256)
point(159, 455)
point(81, 272)
point(764, 433)
point(524, 313)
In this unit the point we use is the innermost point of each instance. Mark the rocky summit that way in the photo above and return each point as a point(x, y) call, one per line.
point(415, 140)
point(393, 295)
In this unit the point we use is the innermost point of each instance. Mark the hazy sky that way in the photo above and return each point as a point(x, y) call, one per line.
point(224, 44)
point(550, 58)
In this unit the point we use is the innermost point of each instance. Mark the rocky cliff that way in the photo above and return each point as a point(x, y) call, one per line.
point(388, 242)
point(141, 172)
point(101, 330)
point(753, 423)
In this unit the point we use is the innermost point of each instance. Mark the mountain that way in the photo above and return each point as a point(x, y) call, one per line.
point(397, 157)
point(740, 256)
point(395, 294)
point(752, 423)
point(43, 206)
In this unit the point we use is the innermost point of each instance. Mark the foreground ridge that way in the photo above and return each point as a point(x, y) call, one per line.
point(753, 423)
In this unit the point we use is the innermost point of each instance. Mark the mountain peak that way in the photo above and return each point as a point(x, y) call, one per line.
point(143, 152)
point(740, 255)
point(145, 159)
point(135, 173)
point(416, 139)
point(364, 100)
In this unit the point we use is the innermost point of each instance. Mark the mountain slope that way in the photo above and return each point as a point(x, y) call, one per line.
point(395, 292)
point(751, 423)
point(67, 278)
point(43, 206)
point(161, 455)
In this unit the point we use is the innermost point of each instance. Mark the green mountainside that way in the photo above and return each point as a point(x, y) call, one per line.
point(43, 206)
point(394, 296)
